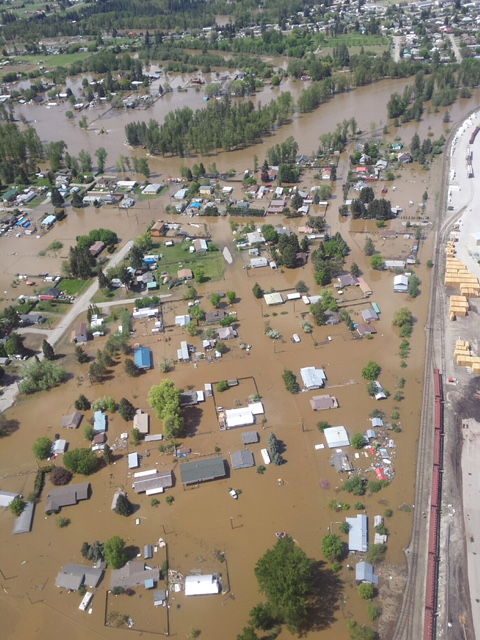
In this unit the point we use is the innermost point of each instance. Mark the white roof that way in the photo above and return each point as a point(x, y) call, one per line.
point(256, 408)
point(239, 417)
point(294, 296)
point(403, 280)
point(59, 446)
point(133, 460)
point(273, 298)
point(313, 378)
point(6, 497)
point(336, 437)
point(258, 262)
point(201, 585)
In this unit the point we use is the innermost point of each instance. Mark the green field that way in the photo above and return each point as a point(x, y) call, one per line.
point(178, 257)
point(50, 62)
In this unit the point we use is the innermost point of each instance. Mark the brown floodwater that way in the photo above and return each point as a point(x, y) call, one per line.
point(206, 520)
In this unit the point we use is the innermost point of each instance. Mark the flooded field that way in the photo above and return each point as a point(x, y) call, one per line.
point(203, 523)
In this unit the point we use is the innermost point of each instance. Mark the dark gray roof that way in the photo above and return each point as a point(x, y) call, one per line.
point(72, 420)
point(242, 459)
point(215, 316)
point(202, 470)
point(23, 524)
point(66, 496)
point(132, 575)
point(78, 574)
point(162, 479)
point(250, 437)
point(160, 595)
point(148, 551)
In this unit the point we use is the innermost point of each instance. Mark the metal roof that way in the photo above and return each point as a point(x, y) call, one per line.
point(23, 524)
point(242, 459)
point(358, 534)
point(313, 378)
point(364, 572)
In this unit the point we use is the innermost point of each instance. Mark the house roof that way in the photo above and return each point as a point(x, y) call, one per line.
point(99, 421)
point(73, 576)
point(364, 572)
point(133, 574)
point(6, 497)
point(72, 420)
point(202, 470)
point(272, 299)
point(365, 329)
point(239, 417)
point(323, 402)
point(185, 274)
point(336, 437)
point(227, 333)
point(341, 462)
point(400, 280)
point(215, 316)
point(141, 421)
point(313, 378)
point(369, 315)
point(201, 585)
point(358, 534)
point(143, 358)
point(160, 480)
point(242, 459)
point(250, 437)
point(133, 460)
point(23, 524)
point(66, 496)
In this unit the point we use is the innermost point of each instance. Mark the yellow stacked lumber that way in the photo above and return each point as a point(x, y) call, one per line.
point(459, 301)
point(457, 275)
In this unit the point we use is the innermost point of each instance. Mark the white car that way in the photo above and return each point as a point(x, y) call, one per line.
point(233, 493)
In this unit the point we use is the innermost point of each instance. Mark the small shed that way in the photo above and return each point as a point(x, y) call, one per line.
point(148, 551)
point(318, 403)
point(80, 333)
point(133, 460)
point(364, 572)
point(59, 446)
point(250, 437)
point(97, 248)
point(377, 422)
point(72, 420)
point(141, 421)
point(242, 459)
point(159, 598)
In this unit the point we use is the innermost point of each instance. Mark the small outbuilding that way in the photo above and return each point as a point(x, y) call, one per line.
point(369, 315)
point(318, 403)
point(242, 459)
point(80, 333)
point(364, 572)
point(185, 274)
point(141, 421)
point(250, 437)
point(99, 422)
point(273, 299)
point(133, 460)
point(72, 420)
point(400, 284)
point(143, 358)
point(313, 378)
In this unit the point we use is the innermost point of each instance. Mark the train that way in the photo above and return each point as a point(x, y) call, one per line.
point(431, 591)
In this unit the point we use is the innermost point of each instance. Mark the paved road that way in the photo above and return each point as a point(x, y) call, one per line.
point(455, 48)
point(396, 47)
point(79, 306)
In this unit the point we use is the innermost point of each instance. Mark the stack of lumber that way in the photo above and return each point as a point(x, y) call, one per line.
point(457, 275)
point(459, 307)
point(464, 357)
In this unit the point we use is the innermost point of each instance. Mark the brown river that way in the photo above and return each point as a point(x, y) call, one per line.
point(294, 497)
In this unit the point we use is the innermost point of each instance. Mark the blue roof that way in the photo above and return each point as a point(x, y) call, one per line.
point(143, 358)
point(100, 421)
point(364, 572)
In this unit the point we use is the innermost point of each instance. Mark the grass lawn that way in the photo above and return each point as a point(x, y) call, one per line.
point(52, 306)
point(355, 40)
point(72, 287)
point(178, 257)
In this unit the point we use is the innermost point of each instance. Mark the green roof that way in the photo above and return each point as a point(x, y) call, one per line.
point(202, 470)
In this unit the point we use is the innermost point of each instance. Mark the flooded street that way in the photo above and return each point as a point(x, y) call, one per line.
point(203, 522)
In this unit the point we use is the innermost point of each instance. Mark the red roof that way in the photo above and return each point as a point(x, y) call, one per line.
point(381, 474)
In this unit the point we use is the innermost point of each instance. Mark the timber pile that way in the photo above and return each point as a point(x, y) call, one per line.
point(463, 356)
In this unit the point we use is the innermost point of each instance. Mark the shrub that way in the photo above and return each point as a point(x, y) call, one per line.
point(82, 403)
point(344, 527)
point(358, 441)
point(376, 553)
point(60, 476)
point(366, 591)
point(170, 500)
point(374, 612)
point(371, 371)
point(261, 469)
point(41, 375)
point(222, 386)
point(333, 547)
point(359, 506)
point(105, 404)
point(17, 506)
point(88, 432)
point(388, 513)
point(62, 522)
point(374, 486)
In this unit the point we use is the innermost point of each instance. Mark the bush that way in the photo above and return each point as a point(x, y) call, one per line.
point(17, 506)
point(170, 500)
point(374, 486)
point(261, 469)
point(104, 404)
point(41, 375)
point(359, 506)
point(88, 432)
point(62, 522)
point(222, 386)
point(136, 437)
point(366, 591)
point(322, 425)
point(388, 513)
point(344, 527)
point(333, 547)
point(60, 476)
point(374, 612)
point(376, 553)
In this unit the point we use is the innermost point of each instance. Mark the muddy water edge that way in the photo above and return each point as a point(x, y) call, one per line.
point(205, 521)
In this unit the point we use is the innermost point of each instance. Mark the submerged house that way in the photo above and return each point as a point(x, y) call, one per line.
point(358, 534)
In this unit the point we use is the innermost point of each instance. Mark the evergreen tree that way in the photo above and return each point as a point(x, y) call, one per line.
point(48, 350)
